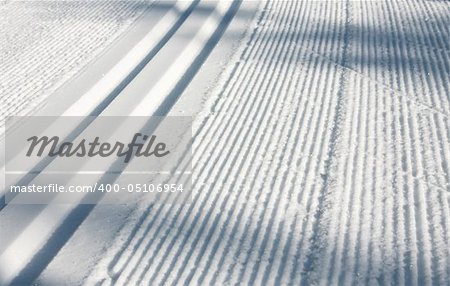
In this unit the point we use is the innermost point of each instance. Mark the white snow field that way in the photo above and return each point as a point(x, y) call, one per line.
point(45, 43)
point(321, 144)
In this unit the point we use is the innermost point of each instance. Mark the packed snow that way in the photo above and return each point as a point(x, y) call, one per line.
point(321, 144)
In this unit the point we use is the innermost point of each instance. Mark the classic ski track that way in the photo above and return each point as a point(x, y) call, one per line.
point(321, 158)
point(98, 97)
point(378, 214)
point(206, 38)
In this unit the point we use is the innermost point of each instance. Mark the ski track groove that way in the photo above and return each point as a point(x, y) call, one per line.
point(341, 178)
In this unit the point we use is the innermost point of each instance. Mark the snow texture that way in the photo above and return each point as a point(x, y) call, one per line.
point(321, 156)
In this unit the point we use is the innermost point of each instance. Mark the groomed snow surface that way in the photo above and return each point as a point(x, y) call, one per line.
point(321, 156)
point(44, 43)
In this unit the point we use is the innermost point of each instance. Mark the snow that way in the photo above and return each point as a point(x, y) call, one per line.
point(45, 43)
point(321, 153)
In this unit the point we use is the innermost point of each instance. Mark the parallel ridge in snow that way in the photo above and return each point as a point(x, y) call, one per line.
point(323, 158)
